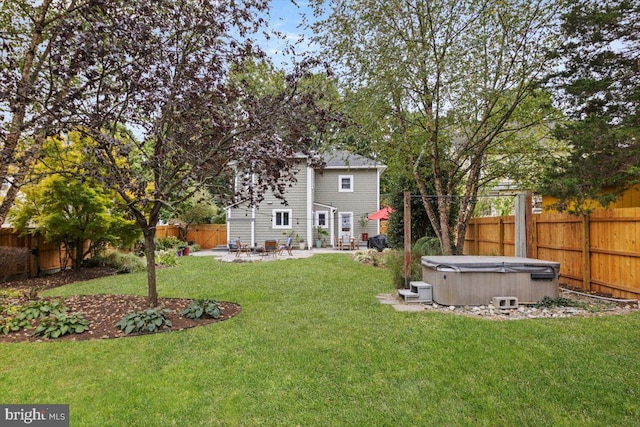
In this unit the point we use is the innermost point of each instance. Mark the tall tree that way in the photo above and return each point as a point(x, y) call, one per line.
point(599, 88)
point(447, 84)
point(35, 77)
point(167, 69)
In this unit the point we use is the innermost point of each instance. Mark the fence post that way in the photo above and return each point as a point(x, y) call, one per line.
point(534, 237)
point(501, 236)
point(586, 253)
point(528, 223)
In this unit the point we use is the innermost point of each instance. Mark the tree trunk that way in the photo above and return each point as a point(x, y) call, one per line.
point(150, 252)
point(77, 264)
point(19, 111)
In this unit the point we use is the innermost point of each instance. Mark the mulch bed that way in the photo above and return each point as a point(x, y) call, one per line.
point(103, 311)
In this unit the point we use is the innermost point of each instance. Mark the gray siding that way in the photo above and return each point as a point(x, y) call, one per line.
point(239, 222)
point(296, 198)
point(362, 201)
point(261, 216)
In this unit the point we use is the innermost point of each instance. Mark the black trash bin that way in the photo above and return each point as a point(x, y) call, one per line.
point(378, 242)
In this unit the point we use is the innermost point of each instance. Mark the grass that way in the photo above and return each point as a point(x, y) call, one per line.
point(312, 346)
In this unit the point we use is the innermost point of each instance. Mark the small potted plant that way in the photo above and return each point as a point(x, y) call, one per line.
point(322, 233)
point(300, 242)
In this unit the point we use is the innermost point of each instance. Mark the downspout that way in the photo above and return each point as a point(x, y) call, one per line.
point(332, 228)
point(309, 219)
point(228, 224)
point(253, 227)
point(377, 198)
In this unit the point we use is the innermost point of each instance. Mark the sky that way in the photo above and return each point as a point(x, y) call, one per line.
point(286, 16)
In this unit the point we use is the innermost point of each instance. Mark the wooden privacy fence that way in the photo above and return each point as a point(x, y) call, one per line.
point(599, 252)
point(207, 236)
point(46, 256)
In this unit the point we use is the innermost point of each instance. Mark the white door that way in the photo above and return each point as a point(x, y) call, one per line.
point(346, 225)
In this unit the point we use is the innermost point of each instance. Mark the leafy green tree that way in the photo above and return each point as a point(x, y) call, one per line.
point(79, 215)
point(599, 89)
point(69, 209)
point(445, 90)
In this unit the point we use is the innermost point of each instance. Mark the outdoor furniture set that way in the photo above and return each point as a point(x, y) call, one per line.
point(271, 247)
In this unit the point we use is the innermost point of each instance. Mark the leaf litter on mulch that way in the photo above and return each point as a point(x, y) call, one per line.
point(103, 311)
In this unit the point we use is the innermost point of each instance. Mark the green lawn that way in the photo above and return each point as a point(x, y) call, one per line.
point(313, 347)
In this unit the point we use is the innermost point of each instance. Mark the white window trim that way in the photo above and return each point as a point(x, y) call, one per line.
point(326, 219)
point(344, 190)
point(353, 226)
point(282, 227)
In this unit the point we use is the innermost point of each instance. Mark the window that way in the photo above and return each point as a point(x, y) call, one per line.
point(322, 219)
point(345, 183)
point(281, 218)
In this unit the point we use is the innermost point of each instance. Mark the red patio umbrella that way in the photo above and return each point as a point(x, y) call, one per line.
point(382, 214)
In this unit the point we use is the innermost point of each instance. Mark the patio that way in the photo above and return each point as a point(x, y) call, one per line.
point(227, 256)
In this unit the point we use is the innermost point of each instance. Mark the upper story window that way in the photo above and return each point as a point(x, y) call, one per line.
point(345, 183)
point(281, 218)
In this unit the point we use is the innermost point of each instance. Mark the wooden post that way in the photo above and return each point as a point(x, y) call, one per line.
point(501, 236)
point(528, 221)
point(476, 237)
point(534, 233)
point(586, 253)
point(407, 239)
point(521, 228)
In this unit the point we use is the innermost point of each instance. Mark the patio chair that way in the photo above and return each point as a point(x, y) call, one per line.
point(242, 248)
point(354, 243)
point(286, 246)
point(271, 247)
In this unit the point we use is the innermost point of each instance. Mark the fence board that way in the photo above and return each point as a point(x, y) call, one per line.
point(48, 254)
point(609, 265)
point(208, 236)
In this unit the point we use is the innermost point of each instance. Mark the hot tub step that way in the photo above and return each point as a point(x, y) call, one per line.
point(418, 292)
point(407, 295)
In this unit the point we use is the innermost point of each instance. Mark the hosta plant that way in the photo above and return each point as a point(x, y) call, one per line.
point(149, 320)
point(201, 307)
point(61, 323)
point(38, 309)
point(12, 324)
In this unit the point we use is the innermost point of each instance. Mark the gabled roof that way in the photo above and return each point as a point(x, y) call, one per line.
point(345, 160)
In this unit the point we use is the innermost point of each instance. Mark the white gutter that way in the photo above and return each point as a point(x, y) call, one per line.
point(309, 221)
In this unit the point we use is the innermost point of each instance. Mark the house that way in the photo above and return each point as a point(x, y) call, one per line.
point(336, 199)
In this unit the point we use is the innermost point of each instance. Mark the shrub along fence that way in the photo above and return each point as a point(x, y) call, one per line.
point(598, 252)
point(46, 257)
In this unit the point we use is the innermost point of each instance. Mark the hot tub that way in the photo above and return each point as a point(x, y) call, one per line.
point(476, 280)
